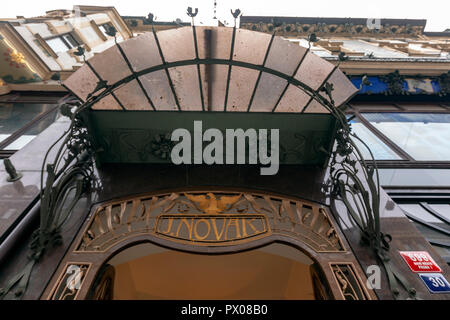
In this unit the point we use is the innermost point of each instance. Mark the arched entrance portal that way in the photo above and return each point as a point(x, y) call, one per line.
point(275, 271)
point(228, 78)
point(247, 243)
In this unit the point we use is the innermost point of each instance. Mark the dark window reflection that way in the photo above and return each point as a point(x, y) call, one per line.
point(15, 116)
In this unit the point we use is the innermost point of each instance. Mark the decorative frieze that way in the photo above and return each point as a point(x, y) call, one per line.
point(211, 219)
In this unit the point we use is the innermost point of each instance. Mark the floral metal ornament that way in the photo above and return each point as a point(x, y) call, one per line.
point(356, 184)
point(162, 146)
point(395, 83)
point(69, 176)
point(444, 84)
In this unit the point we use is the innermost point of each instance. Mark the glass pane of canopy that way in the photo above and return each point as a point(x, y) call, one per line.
point(256, 79)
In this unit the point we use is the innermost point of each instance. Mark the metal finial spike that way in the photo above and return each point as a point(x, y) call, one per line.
point(191, 13)
point(11, 170)
point(80, 52)
point(150, 17)
point(236, 13)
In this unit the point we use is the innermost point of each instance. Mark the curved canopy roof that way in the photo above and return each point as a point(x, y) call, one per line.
point(209, 69)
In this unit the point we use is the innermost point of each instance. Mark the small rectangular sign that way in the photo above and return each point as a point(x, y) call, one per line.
point(435, 282)
point(420, 261)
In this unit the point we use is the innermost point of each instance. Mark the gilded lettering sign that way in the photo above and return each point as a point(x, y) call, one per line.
point(212, 229)
point(210, 218)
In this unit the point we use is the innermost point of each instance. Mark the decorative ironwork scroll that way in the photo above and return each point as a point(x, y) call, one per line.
point(356, 184)
point(348, 282)
point(212, 219)
point(70, 281)
point(68, 177)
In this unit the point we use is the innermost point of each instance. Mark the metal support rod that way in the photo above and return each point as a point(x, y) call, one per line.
point(22, 231)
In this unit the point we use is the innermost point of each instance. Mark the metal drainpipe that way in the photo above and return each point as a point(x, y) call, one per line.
point(23, 229)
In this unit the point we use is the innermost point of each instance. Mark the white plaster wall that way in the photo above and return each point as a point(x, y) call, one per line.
point(91, 36)
point(99, 18)
point(66, 60)
point(40, 28)
point(29, 38)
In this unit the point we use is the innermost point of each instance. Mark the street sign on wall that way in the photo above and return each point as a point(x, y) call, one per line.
point(435, 282)
point(420, 261)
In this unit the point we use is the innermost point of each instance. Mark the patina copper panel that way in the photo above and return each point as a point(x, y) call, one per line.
point(82, 82)
point(142, 51)
point(110, 65)
point(250, 46)
point(107, 103)
point(268, 92)
point(185, 81)
point(284, 56)
point(132, 97)
point(313, 71)
point(177, 44)
point(157, 86)
point(242, 83)
point(343, 89)
point(294, 100)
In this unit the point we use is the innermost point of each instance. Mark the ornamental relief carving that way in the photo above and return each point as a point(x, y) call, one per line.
point(210, 219)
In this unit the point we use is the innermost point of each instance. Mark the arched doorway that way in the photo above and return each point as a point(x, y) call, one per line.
point(231, 238)
point(147, 271)
point(227, 77)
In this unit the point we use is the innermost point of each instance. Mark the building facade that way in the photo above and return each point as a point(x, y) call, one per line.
point(93, 206)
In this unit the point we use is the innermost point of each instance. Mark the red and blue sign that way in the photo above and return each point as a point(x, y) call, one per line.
point(435, 282)
point(420, 261)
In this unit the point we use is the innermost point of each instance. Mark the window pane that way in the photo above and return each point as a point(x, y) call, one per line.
point(14, 116)
point(71, 40)
point(417, 211)
point(104, 27)
point(423, 136)
point(57, 45)
point(379, 149)
point(442, 209)
point(415, 177)
point(32, 132)
point(438, 239)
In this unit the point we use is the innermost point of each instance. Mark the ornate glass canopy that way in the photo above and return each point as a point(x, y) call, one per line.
point(206, 69)
point(209, 69)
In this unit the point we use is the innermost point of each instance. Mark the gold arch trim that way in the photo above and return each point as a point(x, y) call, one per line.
point(210, 218)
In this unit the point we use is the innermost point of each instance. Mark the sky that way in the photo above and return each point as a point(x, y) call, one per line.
point(436, 12)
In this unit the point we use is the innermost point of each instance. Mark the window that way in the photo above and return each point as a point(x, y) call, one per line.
point(424, 136)
point(405, 135)
point(105, 27)
point(62, 43)
point(378, 148)
point(433, 222)
point(20, 123)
